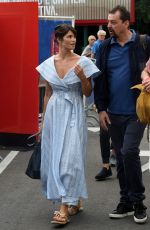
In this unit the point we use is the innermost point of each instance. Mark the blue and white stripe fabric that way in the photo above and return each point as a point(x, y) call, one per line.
point(64, 134)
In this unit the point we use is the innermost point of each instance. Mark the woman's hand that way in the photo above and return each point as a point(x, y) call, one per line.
point(85, 82)
point(146, 84)
point(79, 72)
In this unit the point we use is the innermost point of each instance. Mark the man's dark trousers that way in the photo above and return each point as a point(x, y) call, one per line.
point(126, 134)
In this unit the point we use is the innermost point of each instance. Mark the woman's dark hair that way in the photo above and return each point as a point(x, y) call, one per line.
point(62, 29)
point(124, 13)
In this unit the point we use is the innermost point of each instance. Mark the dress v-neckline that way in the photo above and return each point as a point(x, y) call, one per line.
point(62, 78)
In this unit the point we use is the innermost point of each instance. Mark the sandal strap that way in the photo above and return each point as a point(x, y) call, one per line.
point(61, 215)
point(73, 210)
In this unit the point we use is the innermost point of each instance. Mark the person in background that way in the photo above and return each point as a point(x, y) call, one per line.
point(120, 59)
point(107, 154)
point(64, 132)
point(88, 49)
point(101, 37)
point(107, 151)
point(89, 101)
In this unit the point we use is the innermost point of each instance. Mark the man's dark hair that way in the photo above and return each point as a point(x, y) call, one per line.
point(62, 29)
point(124, 13)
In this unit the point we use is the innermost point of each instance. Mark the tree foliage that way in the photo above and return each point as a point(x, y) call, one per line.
point(142, 9)
point(142, 15)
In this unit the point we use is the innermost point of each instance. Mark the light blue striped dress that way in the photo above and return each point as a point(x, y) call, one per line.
point(64, 134)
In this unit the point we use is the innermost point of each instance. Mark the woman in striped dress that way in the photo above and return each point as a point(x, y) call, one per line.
point(64, 133)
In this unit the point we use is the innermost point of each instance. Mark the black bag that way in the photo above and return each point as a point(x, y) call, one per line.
point(34, 165)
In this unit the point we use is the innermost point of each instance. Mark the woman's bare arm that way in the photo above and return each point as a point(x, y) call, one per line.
point(146, 80)
point(48, 93)
point(145, 75)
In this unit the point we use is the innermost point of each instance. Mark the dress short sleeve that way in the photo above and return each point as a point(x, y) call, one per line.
point(46, 69)
point(89, 68)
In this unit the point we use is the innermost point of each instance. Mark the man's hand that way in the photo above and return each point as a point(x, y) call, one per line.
point(104, 120)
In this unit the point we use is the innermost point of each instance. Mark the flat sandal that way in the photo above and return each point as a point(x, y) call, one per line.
point(60, 218)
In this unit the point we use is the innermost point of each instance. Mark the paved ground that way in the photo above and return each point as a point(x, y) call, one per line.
point(22, 206)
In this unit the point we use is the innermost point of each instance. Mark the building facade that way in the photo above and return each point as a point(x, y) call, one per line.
point(90, 15)
point(86, 12)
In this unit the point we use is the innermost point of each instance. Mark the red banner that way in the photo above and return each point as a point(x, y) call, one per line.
point(18, 59)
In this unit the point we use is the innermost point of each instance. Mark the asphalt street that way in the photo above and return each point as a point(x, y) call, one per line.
point(22, 206)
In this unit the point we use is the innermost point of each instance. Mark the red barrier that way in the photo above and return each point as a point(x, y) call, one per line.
point(18, 59)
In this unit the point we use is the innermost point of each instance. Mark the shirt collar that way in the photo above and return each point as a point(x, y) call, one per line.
point(113, 39)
